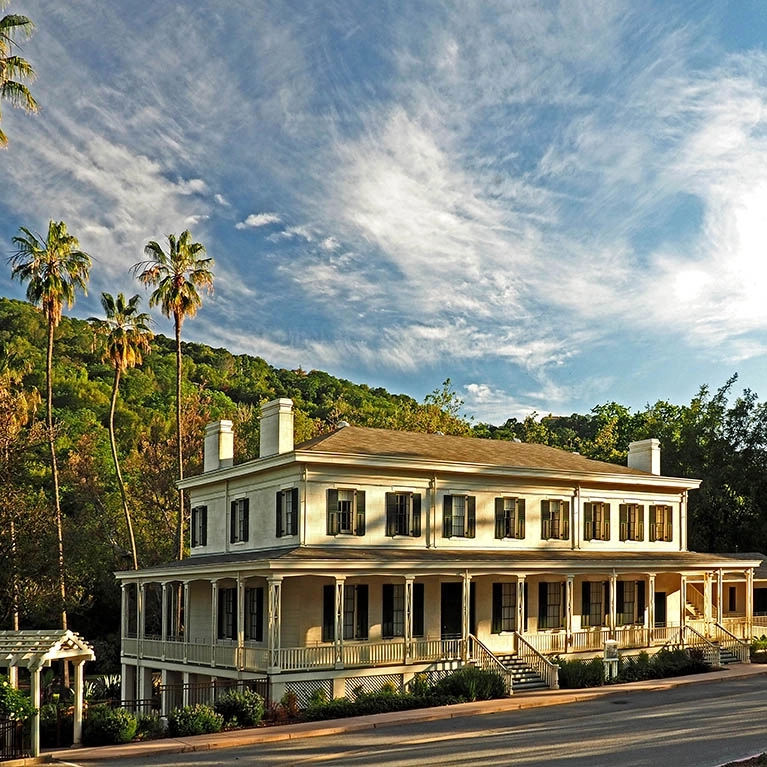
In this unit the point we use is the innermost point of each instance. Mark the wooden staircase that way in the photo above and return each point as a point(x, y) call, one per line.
point(524, 677)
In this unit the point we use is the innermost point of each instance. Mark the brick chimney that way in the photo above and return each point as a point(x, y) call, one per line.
point(219, 446)
point(645, 455)
point(276, 428)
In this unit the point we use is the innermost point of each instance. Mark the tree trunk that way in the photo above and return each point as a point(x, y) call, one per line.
point(179, 449)
point(118, 473)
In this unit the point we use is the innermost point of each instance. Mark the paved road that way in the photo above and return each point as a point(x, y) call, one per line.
point(692, 726)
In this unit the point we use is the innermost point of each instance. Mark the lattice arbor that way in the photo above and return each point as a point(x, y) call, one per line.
point(35, 650)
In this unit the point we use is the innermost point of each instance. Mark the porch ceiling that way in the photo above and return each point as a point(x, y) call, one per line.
point(318, 559)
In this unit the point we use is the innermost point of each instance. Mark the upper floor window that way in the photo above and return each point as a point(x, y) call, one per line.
point(239, 520)
point(631, 522)
point(459, 516)
point(287, 512)
point(555, 520)
point(509, 518)
point(346, 512)
point(596, 521)
point(199, 526)
point(403, 514)
point(661, 524)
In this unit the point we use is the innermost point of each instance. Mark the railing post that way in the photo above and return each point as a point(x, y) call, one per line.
point(338, 642)
point(274, 585)
point(408, 648)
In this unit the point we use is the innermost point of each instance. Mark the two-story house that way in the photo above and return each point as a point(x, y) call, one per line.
point(365, 556)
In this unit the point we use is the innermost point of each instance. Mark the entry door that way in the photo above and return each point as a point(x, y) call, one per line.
point(660, 608)
point(451, 609)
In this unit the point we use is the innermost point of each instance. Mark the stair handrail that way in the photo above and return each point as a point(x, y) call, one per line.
point(674, 641)
point(546, 669)
point(738, 647)
point(698, 601)
point(711, 653)
point(487, 661)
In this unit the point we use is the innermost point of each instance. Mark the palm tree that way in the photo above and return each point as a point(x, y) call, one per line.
point(54, 269)
point(176, 276)
point(127, 336)
point(14, 68)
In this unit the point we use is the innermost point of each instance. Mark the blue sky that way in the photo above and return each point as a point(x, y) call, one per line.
point(553, 204)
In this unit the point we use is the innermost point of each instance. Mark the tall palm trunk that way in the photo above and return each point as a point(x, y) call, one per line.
point(179, 449)
point(55, 474)
point(118, 473)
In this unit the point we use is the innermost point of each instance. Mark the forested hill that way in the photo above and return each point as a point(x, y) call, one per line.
point(720, 437)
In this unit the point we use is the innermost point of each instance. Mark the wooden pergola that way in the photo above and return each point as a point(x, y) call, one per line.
point(34, 650)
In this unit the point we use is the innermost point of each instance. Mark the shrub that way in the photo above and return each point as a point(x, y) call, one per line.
point(574, 674)
point(106, 726)
point(470, 683)
point(149, 727)
point(240, 708)
point(419, 686)
point(194, 720)
point(14, 704)
point(636, 668)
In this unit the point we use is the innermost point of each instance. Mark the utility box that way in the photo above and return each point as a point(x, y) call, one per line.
point(610, 659)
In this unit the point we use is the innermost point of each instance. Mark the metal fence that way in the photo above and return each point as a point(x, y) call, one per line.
point(178, 695)
point(12, 741)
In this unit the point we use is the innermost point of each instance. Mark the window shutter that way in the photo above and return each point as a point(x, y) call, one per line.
point(416, 529)
point(545, 520)
point(471, 516)
point(588, 522)
point(620, 601)
point(500, 531)
point(195, 517)
point(390, 514)
point(447, 516)
point(259, 614)
point(543, 602)
point(653, 513)
point(280, 531)
point(359, 528)
point(233, 522)
point(585, 603)
point(497, 620)
point(606, 513)
point(668, 524)
point(387, 611)
point(640, 521)
point(294, 512)
point(606, 602)
point(521, 519)
point(204, 541)
point(418, 610)
point(221, 614)
point(361, 629)
point(640, 587)
point(246, 519)
point(565, 520)
point(623, 518)
point(328, 613)
point(332, 512)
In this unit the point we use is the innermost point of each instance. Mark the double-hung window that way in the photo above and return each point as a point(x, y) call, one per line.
point(661, 524)
point(631, 522)
point(227, 613)
point(254, 614)
point(199, 526)
point(287, 512)
point(459, 516)
point(596, 521)
point(555, 520)
point(594, 598)
point(346, 512)
point(403, 514)
point(509, 518)
point(630, 602)
point(550, 605)
point(504, 613)
point(239, 520)
point(355, 612)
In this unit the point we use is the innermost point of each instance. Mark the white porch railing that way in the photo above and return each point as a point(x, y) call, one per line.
point(589, 639)
point(724, 638)
point(547, 644)
point(437, 649)
point(304, 658)
point(693, 638)
point(632, 636)
point(547, 670)
point(662, 635)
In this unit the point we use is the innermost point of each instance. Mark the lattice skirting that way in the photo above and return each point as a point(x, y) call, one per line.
point(304, 690)
point(371, 684)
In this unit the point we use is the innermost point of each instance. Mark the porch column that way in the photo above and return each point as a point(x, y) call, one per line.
point(465, 616)
point(682, 600)
point(164, 617)
point(185, 622)
point(650, 606)
point(683, 522)
point(569, 609)
point(213, 619)
point(274, 608)
point(77, 738)
point(240, 660)
point(408, 618)
point(124, 622)
point(139, 614)
point(34, 694)
point(719, 590)
point(185, 696)
point(749, 603)
point(613, 603)
point(708, 600)
point(339, 623)
point(521, 604)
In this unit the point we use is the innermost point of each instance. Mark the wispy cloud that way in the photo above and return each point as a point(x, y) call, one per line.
point(256, 220)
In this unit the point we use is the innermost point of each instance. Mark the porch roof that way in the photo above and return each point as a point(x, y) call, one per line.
point(34, 649)
point(353, 560)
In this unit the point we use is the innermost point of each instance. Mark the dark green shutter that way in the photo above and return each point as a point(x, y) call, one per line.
point(387, 611)
point(606, 515)
point(416, 529)
point(279, 531)
point(332, 512)
point(585, 603)
point(543, 602)
point(328, 613)
point(447, 516)
point(565, 520)
point(500, 527)
point(359, 528)
point(259, 614)
point(204, 541)
point(246, 519)
point(520, 532)
point(233, 522)
point(418, 610)
point(623, 514)
point(294, 511)
point(361, 629)
point(497, 617)
point(545, 520)
point(640, 522)
point(620, 601)
point(391, 505)
point(471, 516)
point(606, 603)
point(588, 522)
point(653, 515)
point(640, 588)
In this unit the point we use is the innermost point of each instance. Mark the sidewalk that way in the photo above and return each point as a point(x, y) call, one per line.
point(82, 756)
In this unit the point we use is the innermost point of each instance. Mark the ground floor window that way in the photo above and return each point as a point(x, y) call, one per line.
point(594, 598)
point(254, 614)
point(227, 613)
point(550, 605)
point(504, 607)
point(630, 602)
point(393, 610)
